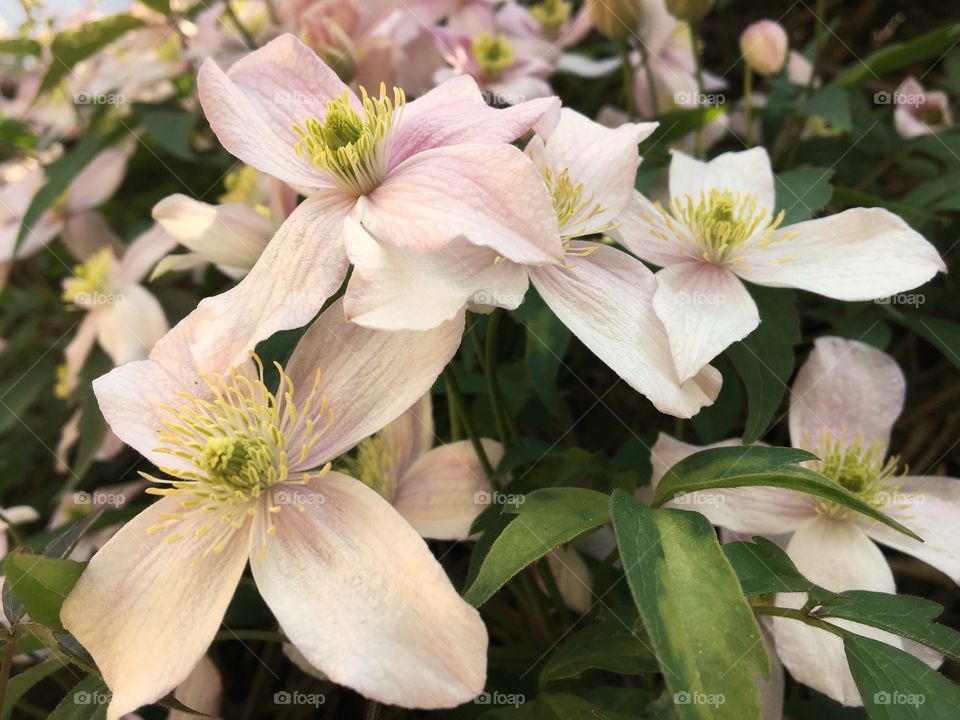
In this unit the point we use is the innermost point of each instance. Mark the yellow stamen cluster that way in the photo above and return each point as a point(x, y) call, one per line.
point(375, 465)
point(857, 467)
point(240, 440)
point(721, 223)
point(244, 186)
point(493, 54)
point(552, 14)
point(574, 211)
point(64, 386)
point(91, 280)
point(353, 149)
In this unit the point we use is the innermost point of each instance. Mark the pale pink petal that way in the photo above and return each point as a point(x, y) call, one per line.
point(572, 576)
point(394, 288)
point(201, 691)
point(704, 309)
point(859, 254)
point(640, 228)
point(37, 236)
point(748, 171)
point(358, 592)
point(836, 555)
point(144, 253)
point(98, 181)
point(302, 266)
point(86, 232)
point(845, 389)
point(445, 489)
point(78, 350)
point(454, 113)
point(930, 506)
point(369, 377)
point(411, 434)
point(130, 327)
point(490, 194)
point(230, 234)
point(605, 298)
point(749, 510)
point(167, 606)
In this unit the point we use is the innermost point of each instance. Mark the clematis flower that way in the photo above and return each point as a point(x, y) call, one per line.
point(602, 294)
point(843, 404)
point(418, 175)
point(351, 583)
point(232, 234)
point(919, 111)
point(720, 228)
point(440, 490)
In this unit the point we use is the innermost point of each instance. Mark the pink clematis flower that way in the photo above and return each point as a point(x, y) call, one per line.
point(417, 175)
point(353, 586)
point(843, 404)
point(719, 228)
point(919, 111)
point(602, 294)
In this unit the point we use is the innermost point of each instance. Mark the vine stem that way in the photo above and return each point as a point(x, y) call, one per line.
point(247, 37)
point(797, 615)
point(505, 425)
point(695, 40)
point(628, 99)
point(456, 399)
point(651, 83)
point(748, 104)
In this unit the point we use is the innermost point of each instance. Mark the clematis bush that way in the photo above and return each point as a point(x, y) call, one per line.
point(479, 359)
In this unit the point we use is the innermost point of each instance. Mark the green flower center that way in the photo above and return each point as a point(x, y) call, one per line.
point(552, 14)
point(91, 284)
point(493, 54)
point(858, 468)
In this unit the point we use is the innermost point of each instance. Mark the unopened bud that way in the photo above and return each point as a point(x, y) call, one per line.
point(763, 45)
point(616, 19)
point(690, 10)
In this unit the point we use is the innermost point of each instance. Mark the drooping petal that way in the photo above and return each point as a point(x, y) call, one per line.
point(98, 181)
point(572, 576)
point(858, 254)
point(836, 555)
point(845, 389)
point(930, 507)
point(369, 377)
point(85, 232)
point(144, 253)
point(411, 434)
point(605, 298)
point(455, 113)
point(201, 691)
point(358, 592)
point(640, 228)
point(748, 171)
point(253, 107)
point(130, 327)
point(394, 288)
point(167, 607)
point(302, 266)
point(78, 350)
point(704, 309)
point(442, 493)
point(490, 194)
point(748, 511)
point(232, 234)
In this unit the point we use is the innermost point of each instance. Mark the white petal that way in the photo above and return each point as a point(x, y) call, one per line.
point(130, 327)
point(859, 254)
point(98, 181)
point(748, 171)
point(605, 300)
point(641, 230)
point(145, 252)
point(704, 309)
point(845, 389)
point(361, 596)
point(145, 612)
point(572, 576)
point(411, 434)
point(201, 691)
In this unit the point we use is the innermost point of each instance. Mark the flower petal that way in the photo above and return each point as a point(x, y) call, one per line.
point(605, 300)
point(858, 254)
point(393, 288)
point(748, 171)
point(144, 253)
point(641, 230)
point(845, 389)
point(129, 328)
point(704, 309)
point(98, 181)
point(369, 377)
point(361, 596)
point(445, 489)
point(201, 691)
point(167, 609)
point(490, 194)
point(411, 435)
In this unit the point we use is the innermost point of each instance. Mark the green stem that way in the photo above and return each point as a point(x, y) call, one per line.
point(456, 399)
point(628, 99)
point(9, 648)
point(373, 710)
point(456, 430)
point(651, 84)
point(748, 104)
point(505, 425)
point(698, 61)
point(820, 10)
point(247, 37)
point(797, 615)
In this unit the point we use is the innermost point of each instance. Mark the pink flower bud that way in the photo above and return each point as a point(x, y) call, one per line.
point(764, 47)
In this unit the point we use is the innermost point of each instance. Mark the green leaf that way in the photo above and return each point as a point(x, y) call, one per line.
point(84, 702)
point(42, 583)
point(803, 192)
point(21, 391)
point(676, 124)
point(900, 55)
point(20, 684)
point(754, 465)
point(172, 128)
point(62, 545)
point(832, 104)
point(161, 6)
point(704, 634)
point(75, 44)
point(764, 568)
point(608, 645)
point(895, 685)
point(20, 46)
point(764, 359)
point(942, 334)
point(547, 342)
point(545, 519)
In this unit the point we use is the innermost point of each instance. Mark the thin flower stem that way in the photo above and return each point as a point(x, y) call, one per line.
point(247, 37)
point(9, 648)
point(456, 429)
point(373, 710)
point(695, 41)
point(456, 399)
point(651, 83)
point(748, 105)
point(797, 615)
point(505, 425)
point(628, 99)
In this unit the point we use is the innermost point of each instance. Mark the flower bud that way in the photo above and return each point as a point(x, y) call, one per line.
point(689, 10)
point(763, 45)
point(616, 19)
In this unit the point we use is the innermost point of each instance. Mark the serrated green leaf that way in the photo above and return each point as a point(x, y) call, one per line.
point(754, 465)
point(80, 703)
point(764, 568)
point(72, 45)
point(545, 519)
point(704, 634)
point(42, 583)
point(803, 192)
point(608, 645)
